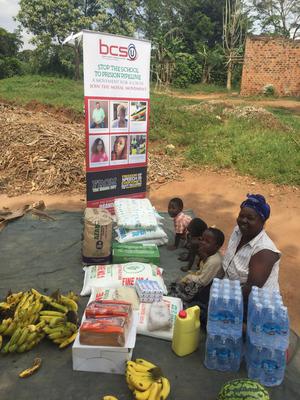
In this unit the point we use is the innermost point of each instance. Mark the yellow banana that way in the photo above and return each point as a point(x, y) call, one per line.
point(27, 304)
point(130, 386)
point(133, 371)
point(16, 335)
point(68, 341)
point(23, 336)
point(54, 304)
point(140, 383)
point(4, 324)
point(138, 367)
point(165, 390)
point(154, 391)
point(73, 296)
point(31, 337)
point(36, 293)
point(109, 397)
point(29, 371)
point(138, 395)
point(145, 363)
point(22, 348)
point(40, 325)
point(12, 348)
point(32, 328)
point(14, 298)
point(69, 303)
point(55, 321)
point(22, 301)
point(4, 349)
point(59, 334)
point(4, 305)
point(1, 341)
point(51, 313)
point(10, 329)
point(72, 326)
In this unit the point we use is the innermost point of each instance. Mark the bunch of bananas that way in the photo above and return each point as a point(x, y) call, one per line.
point(28, 316)
point(146, 381)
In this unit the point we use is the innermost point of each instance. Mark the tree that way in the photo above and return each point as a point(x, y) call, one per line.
point(10, 43)
point(51, 21)
point(233, 35)
point(279, 17)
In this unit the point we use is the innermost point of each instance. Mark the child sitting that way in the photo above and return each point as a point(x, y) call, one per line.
point(195, 231)
point(181, 221)
point(195, 285)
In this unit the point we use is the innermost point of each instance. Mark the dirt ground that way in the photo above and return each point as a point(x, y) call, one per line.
point(216, 197)
point(234, 99)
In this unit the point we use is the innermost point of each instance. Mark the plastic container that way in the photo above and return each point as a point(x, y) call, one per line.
point(186, 332)
point(223, 353)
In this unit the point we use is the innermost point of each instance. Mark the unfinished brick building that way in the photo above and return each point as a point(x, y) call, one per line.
point(271, 61)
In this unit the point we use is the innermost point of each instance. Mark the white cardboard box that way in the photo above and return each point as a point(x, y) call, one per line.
point(107, 359)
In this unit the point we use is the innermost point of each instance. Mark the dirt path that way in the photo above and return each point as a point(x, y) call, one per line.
point(216, 197)
point(293, 105)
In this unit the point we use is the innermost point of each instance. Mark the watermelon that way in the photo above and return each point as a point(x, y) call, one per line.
point(243, 389)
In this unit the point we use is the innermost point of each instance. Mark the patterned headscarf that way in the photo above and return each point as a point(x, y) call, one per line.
point(258, 203)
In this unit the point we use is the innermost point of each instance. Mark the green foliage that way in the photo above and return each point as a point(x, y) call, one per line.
point(10, 43)
point(10, 66)
point(249, 147)
point(269, 90)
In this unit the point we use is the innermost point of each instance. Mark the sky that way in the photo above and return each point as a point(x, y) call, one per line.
point(8, 10)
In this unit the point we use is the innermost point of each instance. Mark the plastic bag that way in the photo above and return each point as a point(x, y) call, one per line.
point(159, 317)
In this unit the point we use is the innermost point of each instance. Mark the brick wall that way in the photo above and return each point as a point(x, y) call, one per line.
point(271, 60)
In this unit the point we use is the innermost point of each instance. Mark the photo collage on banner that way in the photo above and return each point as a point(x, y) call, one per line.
point(117, 133)
point(116, 92)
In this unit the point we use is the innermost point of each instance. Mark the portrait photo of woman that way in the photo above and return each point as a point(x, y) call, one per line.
point(119, 148)
point(98, 150)
point(119, 117)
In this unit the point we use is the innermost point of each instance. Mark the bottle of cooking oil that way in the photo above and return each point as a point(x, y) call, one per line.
point(186, 332)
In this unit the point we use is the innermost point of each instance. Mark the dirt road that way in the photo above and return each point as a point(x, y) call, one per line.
point(293, 105)
point(216, 197)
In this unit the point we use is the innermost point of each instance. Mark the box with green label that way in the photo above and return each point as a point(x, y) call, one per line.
point(129, 252)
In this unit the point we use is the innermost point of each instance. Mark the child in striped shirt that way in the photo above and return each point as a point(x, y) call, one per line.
point(181, 221)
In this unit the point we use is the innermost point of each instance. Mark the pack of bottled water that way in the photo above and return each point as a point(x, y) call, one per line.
point(224, 326)
point(225, 309)
point(267, 336)
point(264, 364)
point(268, 321)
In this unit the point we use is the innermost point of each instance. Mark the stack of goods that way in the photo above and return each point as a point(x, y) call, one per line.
point(267, 337)
point(148, 291)
point(224, 326)
point(97, 236)
point(118, 275)
point(154, 319)
point(138, 221)
point(145, 253)
point(146, 380)
point(106, 323)
point(28, 317)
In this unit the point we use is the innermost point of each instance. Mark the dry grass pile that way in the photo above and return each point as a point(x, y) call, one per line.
point(40, 152)
point(45, 152)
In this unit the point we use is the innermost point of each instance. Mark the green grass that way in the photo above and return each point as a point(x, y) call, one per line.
point(209, 138)
point(43, 89)
point(203, 136)
point(201, 88)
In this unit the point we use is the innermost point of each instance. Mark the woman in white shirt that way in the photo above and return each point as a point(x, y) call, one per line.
point(251, 256)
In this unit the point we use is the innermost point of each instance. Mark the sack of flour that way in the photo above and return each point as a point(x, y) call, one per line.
point(137, 235)
point(97, 236)
point(118, 275)
point(173, 304)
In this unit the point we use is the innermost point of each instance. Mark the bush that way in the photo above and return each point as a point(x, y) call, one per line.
point(10, 66)
point(269, 90)
point(187, 70)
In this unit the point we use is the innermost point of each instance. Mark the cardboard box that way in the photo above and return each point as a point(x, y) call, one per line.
point(135, 252)
point(104, 358)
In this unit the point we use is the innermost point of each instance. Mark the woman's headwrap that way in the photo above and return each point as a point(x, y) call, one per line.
point(258, 203)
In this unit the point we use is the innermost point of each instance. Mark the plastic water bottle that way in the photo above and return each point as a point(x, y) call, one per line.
point(273, 365)
point(223, 353)
point(283, 332)
point(254, 326)
point(213, 314)
point(254, 361)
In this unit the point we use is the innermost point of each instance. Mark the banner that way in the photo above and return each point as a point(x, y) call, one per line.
point(116, 95)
